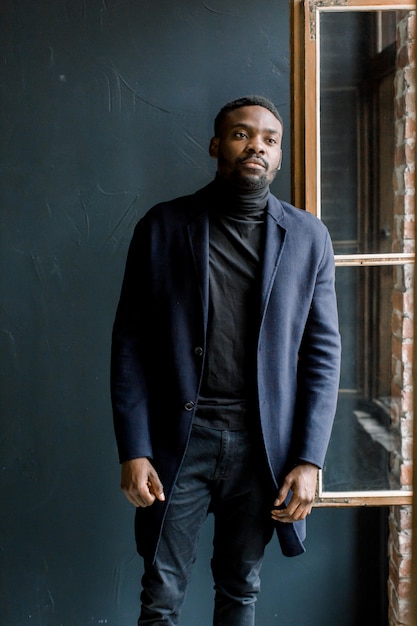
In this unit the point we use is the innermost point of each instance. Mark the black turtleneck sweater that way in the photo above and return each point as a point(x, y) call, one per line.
point(236, 237)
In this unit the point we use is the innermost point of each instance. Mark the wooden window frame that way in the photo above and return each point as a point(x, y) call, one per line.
point(305, 158)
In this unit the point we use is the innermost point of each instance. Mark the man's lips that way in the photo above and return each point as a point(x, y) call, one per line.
point(254, 163)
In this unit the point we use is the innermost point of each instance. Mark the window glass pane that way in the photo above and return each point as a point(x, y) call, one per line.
point(339, 185)
point(359, 70)
point(375, 322)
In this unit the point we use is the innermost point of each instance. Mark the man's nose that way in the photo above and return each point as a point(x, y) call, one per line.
point(254, 146)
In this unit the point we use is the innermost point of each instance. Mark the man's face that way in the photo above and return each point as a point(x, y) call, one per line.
point(248, 148)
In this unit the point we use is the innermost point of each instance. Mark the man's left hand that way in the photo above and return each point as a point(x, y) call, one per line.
point(302, 481)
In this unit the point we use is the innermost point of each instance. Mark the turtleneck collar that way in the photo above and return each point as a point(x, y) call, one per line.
point(239, 204)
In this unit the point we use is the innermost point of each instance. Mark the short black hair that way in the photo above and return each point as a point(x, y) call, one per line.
point(246, 101)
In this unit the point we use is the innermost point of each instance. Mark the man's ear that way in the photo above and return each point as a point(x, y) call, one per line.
point(214, 147)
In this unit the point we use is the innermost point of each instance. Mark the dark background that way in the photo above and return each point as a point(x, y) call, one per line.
point(106, 107)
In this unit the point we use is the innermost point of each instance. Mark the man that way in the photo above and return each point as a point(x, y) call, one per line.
point(225, 371)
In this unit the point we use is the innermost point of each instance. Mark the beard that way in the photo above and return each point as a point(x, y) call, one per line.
point(249, 183)
point(245, 180)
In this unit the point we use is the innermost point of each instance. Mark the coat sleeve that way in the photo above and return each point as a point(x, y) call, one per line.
point(318, 367)
point(129, 354)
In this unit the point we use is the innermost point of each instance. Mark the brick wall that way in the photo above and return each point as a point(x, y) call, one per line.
point(400, 519)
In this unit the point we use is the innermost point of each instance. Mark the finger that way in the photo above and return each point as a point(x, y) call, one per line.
point(284, 519)
point(282, 494)
point(139, 497)
point(281, 516)
point(289, 512)
point(291, 515)
point(156, 487)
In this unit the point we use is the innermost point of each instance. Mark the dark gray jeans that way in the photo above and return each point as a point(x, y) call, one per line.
point(221, 474)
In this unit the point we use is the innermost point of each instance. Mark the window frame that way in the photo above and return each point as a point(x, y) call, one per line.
point(305, 161)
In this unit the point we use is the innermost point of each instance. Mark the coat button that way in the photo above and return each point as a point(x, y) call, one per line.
point(198, 351)
point(188, 406)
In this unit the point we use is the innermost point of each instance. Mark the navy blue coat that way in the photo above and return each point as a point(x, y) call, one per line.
point(159, 342)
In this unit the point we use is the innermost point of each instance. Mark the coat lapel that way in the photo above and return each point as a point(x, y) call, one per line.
point(274, 245)
point(198, 235)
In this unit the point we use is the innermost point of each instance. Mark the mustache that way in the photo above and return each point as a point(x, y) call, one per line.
point(255, 157)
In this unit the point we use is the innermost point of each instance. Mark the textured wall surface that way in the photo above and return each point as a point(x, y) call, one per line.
point(106, 108)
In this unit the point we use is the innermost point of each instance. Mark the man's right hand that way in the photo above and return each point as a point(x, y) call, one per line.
point(140, 482)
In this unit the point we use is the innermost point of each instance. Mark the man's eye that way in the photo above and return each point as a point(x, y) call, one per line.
point(240, 134)
point(271, 140)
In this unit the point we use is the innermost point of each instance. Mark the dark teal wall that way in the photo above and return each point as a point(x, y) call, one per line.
point(106, 108)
